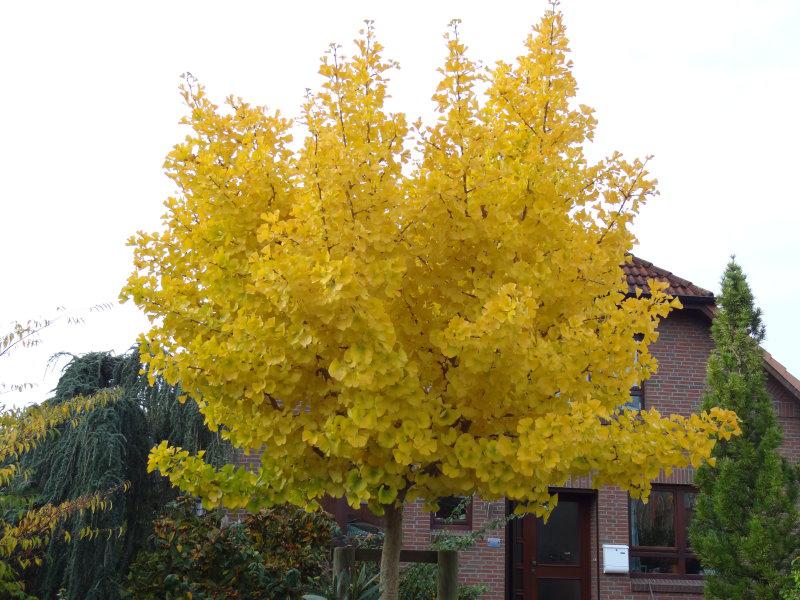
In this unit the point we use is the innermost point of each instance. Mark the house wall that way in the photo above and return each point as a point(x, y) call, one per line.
point(788, 409)
point(480, 564)
point(682, 351)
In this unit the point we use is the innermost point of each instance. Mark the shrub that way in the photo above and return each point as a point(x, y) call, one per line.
point(418, 582)
point(291, 538)
point(279, 554)
point(792, 591)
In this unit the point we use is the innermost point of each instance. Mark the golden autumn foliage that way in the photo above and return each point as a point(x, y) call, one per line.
point(390, 311)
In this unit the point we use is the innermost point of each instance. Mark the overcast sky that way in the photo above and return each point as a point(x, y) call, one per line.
point(89, 108)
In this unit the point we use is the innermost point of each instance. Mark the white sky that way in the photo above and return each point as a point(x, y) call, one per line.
point(89, 108)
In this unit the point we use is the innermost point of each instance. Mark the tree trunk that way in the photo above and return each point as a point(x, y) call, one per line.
point(390, 557)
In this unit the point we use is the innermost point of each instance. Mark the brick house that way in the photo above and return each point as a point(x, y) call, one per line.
point(573, 556)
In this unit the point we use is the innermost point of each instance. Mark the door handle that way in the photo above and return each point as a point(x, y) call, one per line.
point(533, 567)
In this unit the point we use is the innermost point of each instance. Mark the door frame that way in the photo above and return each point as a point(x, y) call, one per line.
point(515, 530)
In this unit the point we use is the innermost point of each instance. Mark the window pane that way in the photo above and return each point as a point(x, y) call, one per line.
point(650, 564)
point(559, 541)
point(559, 589)
point(689, 500)
point(453, 509)
point(693, 567)
point(653, 524)
point(635, 402)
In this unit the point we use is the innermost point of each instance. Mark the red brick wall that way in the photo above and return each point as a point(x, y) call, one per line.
point(682, 352)
point(479, 564)
point(788, 409)
point(416, 527)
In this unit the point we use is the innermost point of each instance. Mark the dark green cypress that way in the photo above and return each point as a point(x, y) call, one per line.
point(745, 524)
point(107, 447)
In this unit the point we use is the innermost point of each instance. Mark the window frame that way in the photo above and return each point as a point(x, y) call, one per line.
point(681, 552)
point(464, 524)
point(637, 388)
point(638, 391)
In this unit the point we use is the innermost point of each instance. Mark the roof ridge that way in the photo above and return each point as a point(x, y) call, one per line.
point(639, 270)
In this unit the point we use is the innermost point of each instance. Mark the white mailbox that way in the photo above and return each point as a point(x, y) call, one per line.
point(615, 558)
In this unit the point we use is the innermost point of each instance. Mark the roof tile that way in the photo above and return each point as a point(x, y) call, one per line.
point(638, 271)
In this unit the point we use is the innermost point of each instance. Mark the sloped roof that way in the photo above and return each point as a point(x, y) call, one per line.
point(781, 375)
point(638, 271)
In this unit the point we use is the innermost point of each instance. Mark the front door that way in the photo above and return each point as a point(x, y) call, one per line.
point(552, 561)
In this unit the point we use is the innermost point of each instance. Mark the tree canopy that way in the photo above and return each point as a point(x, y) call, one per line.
point(386, 310)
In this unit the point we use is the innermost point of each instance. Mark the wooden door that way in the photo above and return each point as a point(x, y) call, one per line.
point(555, 561)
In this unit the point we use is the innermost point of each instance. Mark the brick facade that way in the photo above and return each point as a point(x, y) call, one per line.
point(480, 564)
point(682, 351)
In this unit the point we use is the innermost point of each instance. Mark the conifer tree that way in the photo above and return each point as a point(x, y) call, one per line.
point(106, 448)
point(745, 524)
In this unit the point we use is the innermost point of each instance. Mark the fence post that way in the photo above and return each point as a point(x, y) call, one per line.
point(447, 582)
point(344, 557)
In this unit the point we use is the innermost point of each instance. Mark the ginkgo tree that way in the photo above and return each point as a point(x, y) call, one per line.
point(391, 311)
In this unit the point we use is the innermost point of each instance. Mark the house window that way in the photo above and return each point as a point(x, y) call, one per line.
point(455, 512)
point(659, 533)
point(636, 401)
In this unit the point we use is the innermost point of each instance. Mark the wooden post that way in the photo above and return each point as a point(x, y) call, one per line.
point(344, 557)
point(447, 583)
